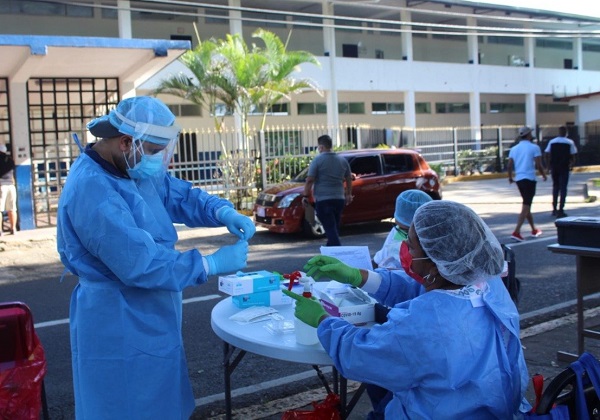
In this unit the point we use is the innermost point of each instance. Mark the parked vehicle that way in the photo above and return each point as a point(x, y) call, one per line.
point(379, 175)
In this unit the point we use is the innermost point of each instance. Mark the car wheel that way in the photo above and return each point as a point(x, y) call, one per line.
point(313, 231)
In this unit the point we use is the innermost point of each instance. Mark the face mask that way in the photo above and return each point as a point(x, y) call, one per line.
point(149, 166)
point(406, 261)
point(400, 234)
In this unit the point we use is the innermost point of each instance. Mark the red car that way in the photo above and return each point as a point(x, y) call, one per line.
point(379, 175)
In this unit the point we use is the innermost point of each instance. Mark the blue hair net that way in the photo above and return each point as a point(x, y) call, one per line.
point(407, 203)
point(458, 241)
point(142, 117)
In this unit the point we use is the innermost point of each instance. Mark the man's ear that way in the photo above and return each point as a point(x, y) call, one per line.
point(125, 143)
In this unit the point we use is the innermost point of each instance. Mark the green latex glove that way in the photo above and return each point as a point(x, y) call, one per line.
point(308, 310)
point(324, 266)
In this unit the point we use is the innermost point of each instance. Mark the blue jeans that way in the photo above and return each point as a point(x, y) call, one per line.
point(329, 213)
point(560, 179)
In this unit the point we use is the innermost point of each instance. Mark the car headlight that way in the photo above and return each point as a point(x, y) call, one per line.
point(287, 200)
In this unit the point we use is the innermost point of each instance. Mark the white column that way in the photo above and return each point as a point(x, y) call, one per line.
point(407, 40)
point(333, 118)
point(530, 51)
point(578, 53)
point(124, 18)
point(235, 17)
point(475, 117)
point(530, 110)
point(472, 43)
point(410, 113)
point(19, 142)
point(235, 27)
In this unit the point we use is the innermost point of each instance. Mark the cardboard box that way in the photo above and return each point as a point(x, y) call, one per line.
point(268, 298)
point(349, 307)
point(246, 283)
point(579, 231)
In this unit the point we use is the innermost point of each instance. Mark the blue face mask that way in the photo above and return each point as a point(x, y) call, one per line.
point(149, 166)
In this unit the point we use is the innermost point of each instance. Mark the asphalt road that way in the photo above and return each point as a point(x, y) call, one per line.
point(32, 274)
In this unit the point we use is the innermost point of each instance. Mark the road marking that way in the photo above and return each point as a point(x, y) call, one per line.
point(66, 320)
point(530, 241)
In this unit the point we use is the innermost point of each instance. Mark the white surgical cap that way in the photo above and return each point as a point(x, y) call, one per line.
point(407, 203)
point(461, 245)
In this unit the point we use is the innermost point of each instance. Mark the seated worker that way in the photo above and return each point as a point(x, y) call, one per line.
point(451, 347)
point(406, 204)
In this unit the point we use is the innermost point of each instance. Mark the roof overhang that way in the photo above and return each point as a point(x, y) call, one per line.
point(130, 60)
point(582, 96)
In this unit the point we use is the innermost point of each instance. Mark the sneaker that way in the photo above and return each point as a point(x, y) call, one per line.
point(560, 214)
point(517, 237)
point(536, 232)
point(554, 212)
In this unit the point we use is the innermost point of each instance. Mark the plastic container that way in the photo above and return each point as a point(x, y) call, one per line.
point(305, 334)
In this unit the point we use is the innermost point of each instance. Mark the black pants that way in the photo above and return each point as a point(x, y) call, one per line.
point(560, 179)
point(329, 213)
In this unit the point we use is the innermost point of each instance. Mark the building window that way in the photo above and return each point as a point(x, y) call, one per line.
point(221, 110)
point(186, 110)
point(555, 108)
point(382, 108)
point(554, 43)
point(452, 107)
point(310, 108)
point(351, 107)
point(506, 107)
point(423, 108)
point(275, 109)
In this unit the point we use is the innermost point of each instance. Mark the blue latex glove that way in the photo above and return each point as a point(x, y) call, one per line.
point(228, 259)
point(308, 310)
point(238, 224)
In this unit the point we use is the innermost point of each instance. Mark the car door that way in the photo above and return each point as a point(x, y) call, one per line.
point(367, 188)
point(400, 173)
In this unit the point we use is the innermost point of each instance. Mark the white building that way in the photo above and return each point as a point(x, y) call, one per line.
point(384, 63)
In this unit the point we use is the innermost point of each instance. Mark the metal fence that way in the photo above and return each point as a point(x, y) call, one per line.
point(237, 166)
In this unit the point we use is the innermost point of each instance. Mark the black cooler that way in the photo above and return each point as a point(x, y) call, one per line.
point(579, 231)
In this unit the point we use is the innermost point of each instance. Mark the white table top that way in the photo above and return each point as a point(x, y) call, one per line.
point(257, 339)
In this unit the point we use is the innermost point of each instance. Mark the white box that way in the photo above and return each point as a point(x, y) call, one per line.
point(349, 307)
point(246, 283)
point(268, 298)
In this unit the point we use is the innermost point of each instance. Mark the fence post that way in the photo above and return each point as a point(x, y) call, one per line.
point(358, 137)
point(455, 145)
point(500, 150)
point(263, 158)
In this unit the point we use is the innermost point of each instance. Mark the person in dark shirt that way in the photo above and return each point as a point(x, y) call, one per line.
point(560, 156)
point(8, 191)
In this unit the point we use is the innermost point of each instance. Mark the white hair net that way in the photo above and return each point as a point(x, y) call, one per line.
point(142, 117)
point(458, 241)
point(407, 203)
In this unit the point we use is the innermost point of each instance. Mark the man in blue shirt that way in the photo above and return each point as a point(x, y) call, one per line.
point(524, 159)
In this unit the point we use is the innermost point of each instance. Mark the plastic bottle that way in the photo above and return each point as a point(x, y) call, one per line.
point(305, 334)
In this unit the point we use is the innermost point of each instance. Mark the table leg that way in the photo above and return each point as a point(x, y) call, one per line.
point(343, 397)
point(228, 368)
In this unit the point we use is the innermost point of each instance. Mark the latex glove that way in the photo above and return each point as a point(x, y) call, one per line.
point(228, 259)
point(238, 224)
point(324, 266)
point(308, 310)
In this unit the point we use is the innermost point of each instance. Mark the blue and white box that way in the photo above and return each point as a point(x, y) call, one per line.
point(268, 298)
point(246, 283)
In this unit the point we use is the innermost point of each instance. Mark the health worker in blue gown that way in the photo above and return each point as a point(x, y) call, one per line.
point(115, 232)
point(450, 347)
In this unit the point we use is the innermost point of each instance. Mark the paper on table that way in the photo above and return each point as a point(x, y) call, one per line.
point(354, 256)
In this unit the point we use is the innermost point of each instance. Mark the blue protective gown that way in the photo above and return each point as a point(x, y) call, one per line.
point(118, 236)
point(443, 354)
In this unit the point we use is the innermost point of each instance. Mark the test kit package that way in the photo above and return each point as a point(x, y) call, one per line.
point(246, 283)
point(268, 298)
point(579, 231)
point(355, 306)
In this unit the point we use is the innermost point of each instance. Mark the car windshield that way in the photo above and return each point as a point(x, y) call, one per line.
point(301, 177)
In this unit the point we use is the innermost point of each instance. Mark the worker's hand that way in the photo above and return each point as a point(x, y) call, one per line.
point(324, 266)
point(228, 259)
point(308, 310)
point(238, 224)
